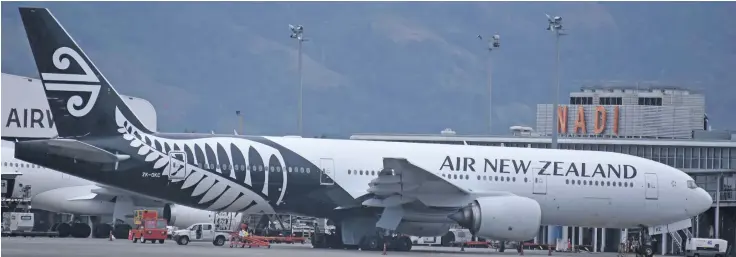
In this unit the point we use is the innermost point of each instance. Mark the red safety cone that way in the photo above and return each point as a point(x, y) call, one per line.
point(384, 248)
point(549, 253)
point(130, 234)
point(110, 237)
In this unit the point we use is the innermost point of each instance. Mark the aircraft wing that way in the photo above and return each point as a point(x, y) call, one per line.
point(402, 181)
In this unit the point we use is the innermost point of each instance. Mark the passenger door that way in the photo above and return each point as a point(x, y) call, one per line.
point(652, 187)
point(540, 182)
point(178, 165)
point(327, 171)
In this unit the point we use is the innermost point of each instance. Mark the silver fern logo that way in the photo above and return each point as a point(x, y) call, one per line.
point(75, 102)
point(216, 184)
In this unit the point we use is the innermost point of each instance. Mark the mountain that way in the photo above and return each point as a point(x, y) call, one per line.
point(390, 67)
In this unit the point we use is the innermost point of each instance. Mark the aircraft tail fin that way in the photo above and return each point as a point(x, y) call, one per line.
point(69, 77)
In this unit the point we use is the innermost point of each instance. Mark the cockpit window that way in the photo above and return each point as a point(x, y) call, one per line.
point(691, 184)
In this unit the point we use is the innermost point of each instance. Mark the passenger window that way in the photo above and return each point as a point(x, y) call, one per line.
point(361, 172)
point(260, 168)
point(514, 179)
point(348, 172)
point(308, 171)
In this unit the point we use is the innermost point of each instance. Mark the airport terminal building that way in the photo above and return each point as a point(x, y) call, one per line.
point(667, 125)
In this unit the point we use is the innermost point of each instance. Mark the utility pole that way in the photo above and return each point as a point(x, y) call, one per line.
point(493, 43)
point(297, 32)
point(555, 25)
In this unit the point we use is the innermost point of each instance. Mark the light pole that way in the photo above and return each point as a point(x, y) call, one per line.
point(493, 43)
point(297, 32)
point(555, 25)
point(237, 113)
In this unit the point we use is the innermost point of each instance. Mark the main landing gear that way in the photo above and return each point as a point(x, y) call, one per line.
point(367, 243)
point(645, 248)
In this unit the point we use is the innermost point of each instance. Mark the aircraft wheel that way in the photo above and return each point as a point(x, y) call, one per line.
point(64, 229)
point(648, 251)
point(403, 243)
point(102, 230)
point(369, 243)
point(121, 230)
point(80, 230)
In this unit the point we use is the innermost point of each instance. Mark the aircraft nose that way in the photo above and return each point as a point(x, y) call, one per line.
point(702, 201)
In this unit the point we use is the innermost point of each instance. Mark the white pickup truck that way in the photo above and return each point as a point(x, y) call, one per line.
point(201, 232)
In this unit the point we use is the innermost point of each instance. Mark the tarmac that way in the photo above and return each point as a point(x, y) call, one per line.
point(74, 247)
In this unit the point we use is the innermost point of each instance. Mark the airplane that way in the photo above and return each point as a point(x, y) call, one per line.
point(372, 190)
point(26, 115)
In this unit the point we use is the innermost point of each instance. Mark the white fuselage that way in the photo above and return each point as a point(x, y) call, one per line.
point(657, 194)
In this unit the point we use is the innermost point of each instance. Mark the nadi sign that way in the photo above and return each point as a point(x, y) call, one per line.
point(601, 116)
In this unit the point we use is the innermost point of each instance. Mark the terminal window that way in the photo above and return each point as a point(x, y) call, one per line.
point(581, 100)
point(610, 101)
point(650, 101)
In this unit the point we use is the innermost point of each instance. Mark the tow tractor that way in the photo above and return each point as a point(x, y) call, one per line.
point(149, 227)
point(706, 247)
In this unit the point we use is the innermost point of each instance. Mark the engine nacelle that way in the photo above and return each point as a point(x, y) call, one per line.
point(74, 200)
point(183, 216)
point(510, 218)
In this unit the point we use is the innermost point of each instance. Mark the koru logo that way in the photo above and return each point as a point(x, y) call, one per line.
point(75, 104)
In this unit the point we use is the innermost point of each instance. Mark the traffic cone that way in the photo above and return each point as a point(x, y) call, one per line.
point(130, 234)
point(549, 253)
point(384, 248)
point(110, 237)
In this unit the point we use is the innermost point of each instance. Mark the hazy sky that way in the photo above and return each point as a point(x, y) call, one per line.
point(385, 67)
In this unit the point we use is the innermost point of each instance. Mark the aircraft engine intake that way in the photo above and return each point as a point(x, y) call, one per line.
point(510, 218)
point(183, 216)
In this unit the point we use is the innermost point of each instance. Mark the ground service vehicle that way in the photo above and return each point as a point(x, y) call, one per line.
point(201, 232)
point(706, 247)
point(152, 230)
point(148, 227)
point(21, 224)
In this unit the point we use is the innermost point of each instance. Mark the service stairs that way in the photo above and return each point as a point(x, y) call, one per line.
point(674, 231)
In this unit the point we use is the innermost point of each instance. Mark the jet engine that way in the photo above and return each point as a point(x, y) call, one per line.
point(509, 218)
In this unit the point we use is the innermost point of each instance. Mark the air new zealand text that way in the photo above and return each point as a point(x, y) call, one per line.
point(545, 168)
